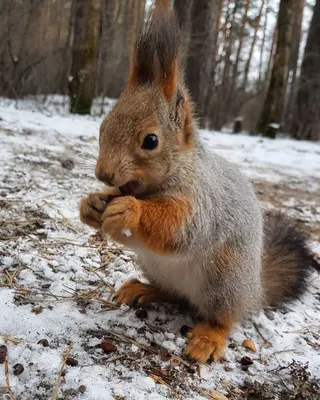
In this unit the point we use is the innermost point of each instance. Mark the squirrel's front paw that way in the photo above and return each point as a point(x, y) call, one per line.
point(92, 208)
point(122, 213)
point(135, 291)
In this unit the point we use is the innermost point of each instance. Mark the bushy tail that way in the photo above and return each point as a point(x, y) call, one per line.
point(286, 260)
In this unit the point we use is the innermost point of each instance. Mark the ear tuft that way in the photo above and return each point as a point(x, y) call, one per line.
point(168, 50)
point(142, 69)
point(155, 58)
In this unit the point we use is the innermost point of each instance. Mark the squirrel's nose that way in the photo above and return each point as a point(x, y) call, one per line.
point(104, 176)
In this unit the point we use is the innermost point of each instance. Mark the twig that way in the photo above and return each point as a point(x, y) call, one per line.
point(280, 368)
point(212, 396)
point(109, 360)
point(307, 329)
point(158, 379)
point(106, 303)
point(65, 356)
point(10, 277)
point(284, 351)
point(66, 242)
point(6, 373)
point(18, 222)
point(100, 277)
point(9, 339)
point(143, 347)
point(266, 341)
point(129, 340)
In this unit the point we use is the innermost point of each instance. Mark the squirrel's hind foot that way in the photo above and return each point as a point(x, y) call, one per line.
point(206, 341)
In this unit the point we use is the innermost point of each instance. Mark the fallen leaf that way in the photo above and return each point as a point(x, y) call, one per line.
point(37, 310)
point(218, 396)
point(248, 344)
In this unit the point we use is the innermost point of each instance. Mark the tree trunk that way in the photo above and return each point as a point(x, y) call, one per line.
point(274, 101)
point(294, 57)
point(183, 12)
point(272, 55)
point(226, 99)
point(241, 38)
point(108, 16)
point(256, 28)
point(128, 19)
point(200, 54)
point(229, 48)
point(263, 42)
point(84, 56)
point(211, 98)
point(306, 124)
point(65, 67)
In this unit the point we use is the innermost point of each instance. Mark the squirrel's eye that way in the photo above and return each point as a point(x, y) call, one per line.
point(150, 142)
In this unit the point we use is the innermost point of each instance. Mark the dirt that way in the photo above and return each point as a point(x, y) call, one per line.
point(302, 205)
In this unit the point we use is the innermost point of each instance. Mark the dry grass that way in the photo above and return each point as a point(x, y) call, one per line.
point(65, 356)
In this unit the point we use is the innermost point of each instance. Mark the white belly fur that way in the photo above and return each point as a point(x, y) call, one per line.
point(172, 272)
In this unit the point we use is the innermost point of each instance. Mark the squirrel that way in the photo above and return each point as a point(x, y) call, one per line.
point(191, 217)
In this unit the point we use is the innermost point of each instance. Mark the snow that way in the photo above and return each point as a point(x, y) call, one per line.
point(49, 245)
point(296, 163)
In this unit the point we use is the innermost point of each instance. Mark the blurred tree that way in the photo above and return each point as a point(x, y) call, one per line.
point(109, 9)
point(183, 12)
point(212, 93)
point(274, 101)
point(298, 8)
point(129, 16)
point(200, 55)
point(241, 40)
point(263, 44)
point(84, 55)
point(254, 39)
point(236, 64)
point(306, 122)
point(220, 104)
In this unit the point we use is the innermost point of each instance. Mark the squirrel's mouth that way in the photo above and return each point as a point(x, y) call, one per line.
point(129, 188)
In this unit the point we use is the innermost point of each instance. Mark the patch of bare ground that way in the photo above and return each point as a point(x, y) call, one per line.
point(302, 205)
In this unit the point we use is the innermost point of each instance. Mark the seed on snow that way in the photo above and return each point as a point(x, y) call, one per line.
point(246, 360)
point(18, 369)
point(3, 353)
point(82, 389)
point(108, 347)
point(44, 342)
point(71, 362)
point(142, 313)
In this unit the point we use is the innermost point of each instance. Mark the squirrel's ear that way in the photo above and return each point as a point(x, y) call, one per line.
point(167, 42)
point(182, 116)
point(169, 80)
point(155, 57)
point(142, 68)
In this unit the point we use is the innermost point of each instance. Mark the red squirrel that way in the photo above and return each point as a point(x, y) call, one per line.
point(193, 219)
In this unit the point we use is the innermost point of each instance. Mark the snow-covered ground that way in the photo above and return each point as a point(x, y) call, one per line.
point(57, 277)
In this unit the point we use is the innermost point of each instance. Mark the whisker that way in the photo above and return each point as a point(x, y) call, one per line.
point(77, 145)
point(85, 164)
